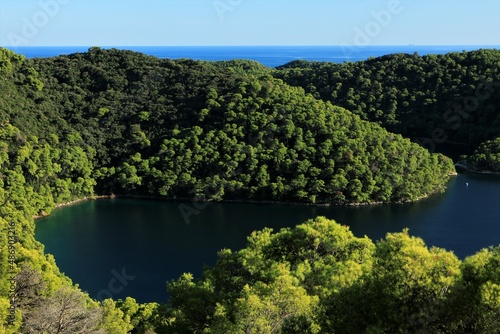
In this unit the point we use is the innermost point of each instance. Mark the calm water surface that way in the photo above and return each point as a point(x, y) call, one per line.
point(151, 240)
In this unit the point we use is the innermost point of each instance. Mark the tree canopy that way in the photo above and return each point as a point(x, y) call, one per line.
point(320, 278)
point(214, 131)
point(452, 97)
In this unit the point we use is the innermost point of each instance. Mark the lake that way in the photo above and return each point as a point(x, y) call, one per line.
point(138, 245)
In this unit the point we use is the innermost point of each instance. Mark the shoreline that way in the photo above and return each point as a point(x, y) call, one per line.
point(44, 214)
point(468, 169)
point(240, 201)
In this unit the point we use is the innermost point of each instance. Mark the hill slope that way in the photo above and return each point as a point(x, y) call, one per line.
point(450, 97)
point(217, 131)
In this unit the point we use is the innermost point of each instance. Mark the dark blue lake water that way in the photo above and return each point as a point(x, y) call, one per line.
point(152, 240)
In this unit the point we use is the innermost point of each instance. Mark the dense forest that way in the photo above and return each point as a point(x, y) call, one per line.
point(223, 131)
point(118, 122)
point(432, 99)
point(486, 158)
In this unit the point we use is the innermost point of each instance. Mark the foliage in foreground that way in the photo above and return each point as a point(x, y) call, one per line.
point(315, 278)
point(319, 278)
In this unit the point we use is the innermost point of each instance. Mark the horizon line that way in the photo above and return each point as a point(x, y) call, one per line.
point(298, 45)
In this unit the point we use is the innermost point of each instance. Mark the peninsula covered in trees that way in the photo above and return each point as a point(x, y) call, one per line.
point(212, 131)
point(118, 122)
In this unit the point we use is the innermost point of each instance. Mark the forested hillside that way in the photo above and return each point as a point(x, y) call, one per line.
point(110, 121)
point(216, 131)
point(450, 97)
point(486, 158)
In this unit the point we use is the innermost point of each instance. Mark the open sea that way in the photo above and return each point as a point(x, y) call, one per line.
point(271, 56)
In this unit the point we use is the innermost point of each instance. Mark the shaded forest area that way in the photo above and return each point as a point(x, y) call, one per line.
point(451, 97)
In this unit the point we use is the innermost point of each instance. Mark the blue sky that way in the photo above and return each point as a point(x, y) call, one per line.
point(248, 22)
